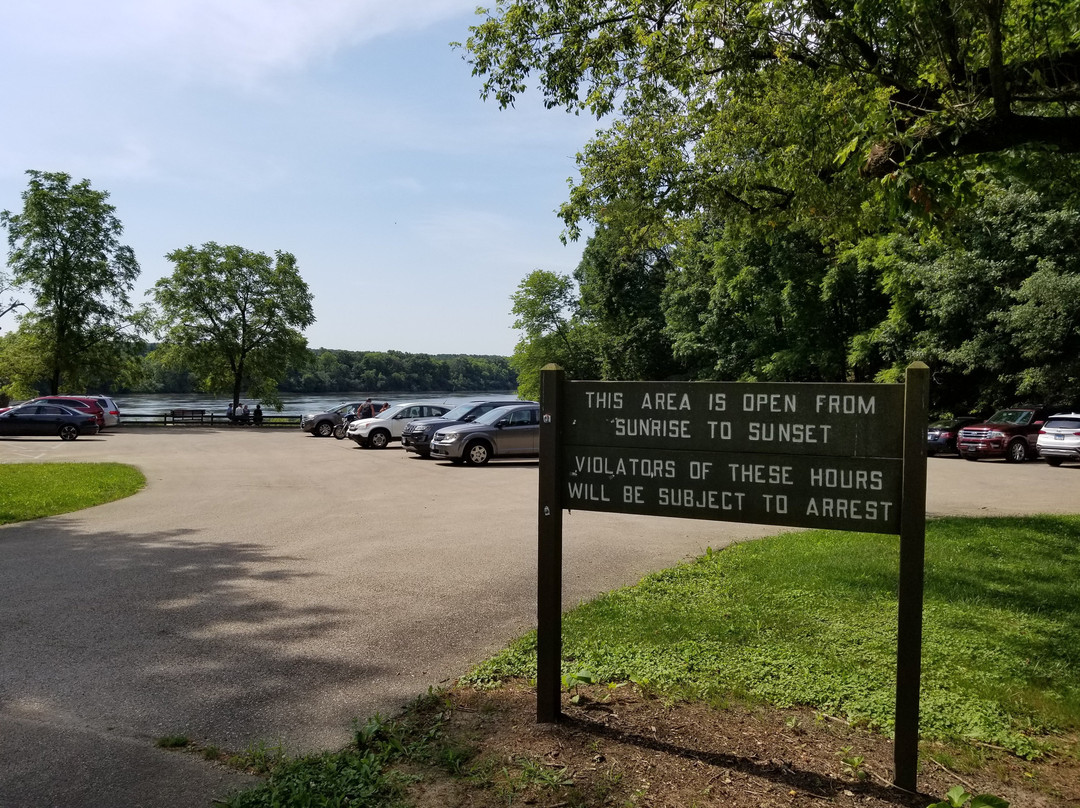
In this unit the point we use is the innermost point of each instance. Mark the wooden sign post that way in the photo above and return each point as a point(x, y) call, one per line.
point(834, 456)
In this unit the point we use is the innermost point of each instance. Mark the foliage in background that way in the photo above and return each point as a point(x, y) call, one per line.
point(811, 190)
point(234, 317)
point(991, 305)
point(65, 251)
point(35, 490)
point(809, 618)
point(548, 314)
point(336, 370)
point(325, 370)
point(796, 109)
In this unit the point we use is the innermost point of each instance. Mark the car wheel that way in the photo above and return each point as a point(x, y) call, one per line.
point(477, 453)
point(1017, 452)
point(1054, 461)
point(379, 438)
point(325, 429)
point(69, 432)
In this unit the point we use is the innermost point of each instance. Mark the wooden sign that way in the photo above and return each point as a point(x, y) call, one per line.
point(835, 456)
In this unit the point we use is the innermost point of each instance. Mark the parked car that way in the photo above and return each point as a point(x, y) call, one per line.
point(941, 435)
point(512, 431)
point(1059, 438)
point(35, 418)
point(322, 423)
point(111, 410)
point(417, 435)
point(81, 403)
point(1010, 433)
point(387, 426)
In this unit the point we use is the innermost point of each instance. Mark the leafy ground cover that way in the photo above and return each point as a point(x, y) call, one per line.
point(810, 619)
point(34, 490)
point(759, 675)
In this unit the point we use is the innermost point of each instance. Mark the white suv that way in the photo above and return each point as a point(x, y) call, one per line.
point(1059, 438)
point(388, 425)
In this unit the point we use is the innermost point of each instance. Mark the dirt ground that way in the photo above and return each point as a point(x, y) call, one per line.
point(624, 748)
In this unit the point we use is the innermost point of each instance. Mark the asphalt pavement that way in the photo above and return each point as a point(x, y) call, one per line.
point(268, 587)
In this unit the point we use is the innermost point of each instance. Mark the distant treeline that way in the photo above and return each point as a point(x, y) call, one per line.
point(329, 371)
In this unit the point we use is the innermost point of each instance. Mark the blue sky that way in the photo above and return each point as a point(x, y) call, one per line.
point(346, 132)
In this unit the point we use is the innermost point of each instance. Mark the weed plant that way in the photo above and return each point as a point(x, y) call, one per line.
point(35, 490)
point(809, 618)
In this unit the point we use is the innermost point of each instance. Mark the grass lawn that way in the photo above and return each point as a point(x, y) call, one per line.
point(804, 619)
point(34, 490)
point(810, 619)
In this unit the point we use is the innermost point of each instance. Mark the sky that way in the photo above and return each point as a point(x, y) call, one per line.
point(346, 132)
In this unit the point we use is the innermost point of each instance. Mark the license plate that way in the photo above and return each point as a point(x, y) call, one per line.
point(1059, 437)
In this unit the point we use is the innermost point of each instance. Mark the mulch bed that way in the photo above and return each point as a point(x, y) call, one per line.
point(625, 748)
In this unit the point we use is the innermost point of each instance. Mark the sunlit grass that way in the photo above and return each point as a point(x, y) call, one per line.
point(34, 490)
point(810, 619)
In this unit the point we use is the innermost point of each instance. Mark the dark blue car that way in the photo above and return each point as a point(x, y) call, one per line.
point(46, 420)
point(941, 435)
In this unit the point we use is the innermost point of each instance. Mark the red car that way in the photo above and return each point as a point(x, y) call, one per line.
point(80, 403)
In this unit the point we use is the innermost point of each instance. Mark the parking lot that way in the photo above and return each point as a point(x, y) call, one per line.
point(269, 586)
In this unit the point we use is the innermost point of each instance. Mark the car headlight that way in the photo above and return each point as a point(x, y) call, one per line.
point(446, 437)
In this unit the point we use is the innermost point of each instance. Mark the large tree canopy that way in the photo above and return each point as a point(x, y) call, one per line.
point(785, 105)
point(65, 251)
point(234, 316)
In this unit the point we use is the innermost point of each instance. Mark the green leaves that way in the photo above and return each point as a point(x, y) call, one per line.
point(957, 797)
point(65, 251)
point(234, 317)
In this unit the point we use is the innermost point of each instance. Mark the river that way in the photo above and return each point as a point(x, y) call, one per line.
point(294, 403)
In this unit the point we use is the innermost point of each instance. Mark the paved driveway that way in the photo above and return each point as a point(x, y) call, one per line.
point(270, 587)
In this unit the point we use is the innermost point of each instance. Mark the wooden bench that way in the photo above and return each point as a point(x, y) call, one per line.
point(187, 415)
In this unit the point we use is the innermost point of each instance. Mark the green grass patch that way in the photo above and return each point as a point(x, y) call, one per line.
point(34, 490)
point(360, 776)
point(810, 619)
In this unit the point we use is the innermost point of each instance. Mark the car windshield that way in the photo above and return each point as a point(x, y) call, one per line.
point(1018, 417)
point(492, 416)
point(460, 411)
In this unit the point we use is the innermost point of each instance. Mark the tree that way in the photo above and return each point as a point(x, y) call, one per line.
point(620, 295)
point(546, 312)
point(9, 305)
point(234, 317)
point(64, 249)
point(790, 107)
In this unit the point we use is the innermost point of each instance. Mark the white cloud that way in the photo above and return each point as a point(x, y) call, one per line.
point(236, 42)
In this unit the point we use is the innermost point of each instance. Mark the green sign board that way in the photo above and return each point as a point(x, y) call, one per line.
point(802, 455)
point(836, 456)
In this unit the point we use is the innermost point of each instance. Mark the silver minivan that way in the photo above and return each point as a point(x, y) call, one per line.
point(112, 410)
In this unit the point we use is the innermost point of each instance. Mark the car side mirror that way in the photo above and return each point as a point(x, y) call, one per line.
point(501, 423)
point(469, 419)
